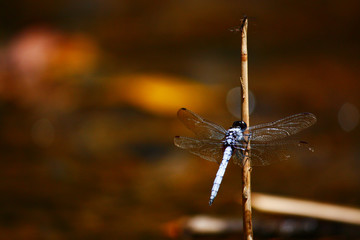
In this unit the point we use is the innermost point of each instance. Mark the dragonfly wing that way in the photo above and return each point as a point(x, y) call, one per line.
point(238, 157)
point(281, 128)
point(201, 127)
point(211, 150)
point(262, 154)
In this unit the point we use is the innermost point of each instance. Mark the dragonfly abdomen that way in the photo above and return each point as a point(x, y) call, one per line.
point(220, 173)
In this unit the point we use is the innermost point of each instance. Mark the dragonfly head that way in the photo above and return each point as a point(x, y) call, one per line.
point(239, 124)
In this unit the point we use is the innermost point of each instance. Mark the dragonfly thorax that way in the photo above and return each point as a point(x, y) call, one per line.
point(233, 135)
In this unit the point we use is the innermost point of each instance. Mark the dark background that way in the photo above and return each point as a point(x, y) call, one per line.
point(89, 92)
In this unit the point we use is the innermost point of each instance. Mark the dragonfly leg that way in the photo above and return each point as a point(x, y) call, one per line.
point(246, 151)
point(240, 148)
point(247, 134)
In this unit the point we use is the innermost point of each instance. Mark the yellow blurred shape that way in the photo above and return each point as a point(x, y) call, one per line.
point(162, 94)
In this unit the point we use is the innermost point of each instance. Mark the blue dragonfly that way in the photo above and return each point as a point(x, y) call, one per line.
point(216, 144)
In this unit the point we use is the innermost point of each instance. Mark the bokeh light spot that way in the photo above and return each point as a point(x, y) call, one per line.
point(233, 102)
point(348, 117)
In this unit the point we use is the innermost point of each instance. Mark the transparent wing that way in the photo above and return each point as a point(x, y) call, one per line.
point(262, 154)
point(281, 128)
point(211, 150)
point(203, 129)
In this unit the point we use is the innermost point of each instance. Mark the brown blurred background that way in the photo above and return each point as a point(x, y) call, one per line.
point(89, 92)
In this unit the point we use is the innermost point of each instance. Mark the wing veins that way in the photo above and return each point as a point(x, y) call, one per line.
point(281, 128)
point(211, 150)
point(203, 129)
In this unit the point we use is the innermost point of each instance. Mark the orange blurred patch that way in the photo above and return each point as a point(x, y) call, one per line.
point(76, 54)
point(162, 94)
point(37, 50)
point(38, 58)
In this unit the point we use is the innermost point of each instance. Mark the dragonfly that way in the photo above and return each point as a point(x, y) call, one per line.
point(261, 144)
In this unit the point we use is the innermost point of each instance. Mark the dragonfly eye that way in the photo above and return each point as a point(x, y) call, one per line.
point(240, 124)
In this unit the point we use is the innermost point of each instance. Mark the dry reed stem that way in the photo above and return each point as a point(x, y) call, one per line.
point(246, 170)
point(305, 208)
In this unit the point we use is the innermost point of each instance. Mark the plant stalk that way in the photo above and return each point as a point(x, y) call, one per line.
point(246, 170)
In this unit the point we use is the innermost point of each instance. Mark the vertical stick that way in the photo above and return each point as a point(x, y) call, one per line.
point(246, 170)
